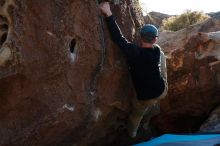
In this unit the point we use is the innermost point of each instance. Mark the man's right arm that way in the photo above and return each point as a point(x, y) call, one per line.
point(128, 48)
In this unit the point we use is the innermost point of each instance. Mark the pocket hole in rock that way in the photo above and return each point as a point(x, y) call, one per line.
point(2, 2)
point(4, 27)
point(3, 30)
point(3, 38)
point(3, 19)
point(72, 47)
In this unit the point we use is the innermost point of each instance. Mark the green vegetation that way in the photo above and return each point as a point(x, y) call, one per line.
point(184, 20)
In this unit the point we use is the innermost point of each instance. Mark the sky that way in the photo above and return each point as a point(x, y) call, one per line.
point(175, 7)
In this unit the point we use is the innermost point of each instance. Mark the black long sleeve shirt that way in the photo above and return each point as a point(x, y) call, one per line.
point(144, 64)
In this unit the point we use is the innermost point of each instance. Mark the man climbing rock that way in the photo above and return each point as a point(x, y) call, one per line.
point(147, 67)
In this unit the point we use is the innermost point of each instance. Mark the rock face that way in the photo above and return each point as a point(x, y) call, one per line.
point(213, 122)
point(64, 83)
point(193, 74)
point(62, 80)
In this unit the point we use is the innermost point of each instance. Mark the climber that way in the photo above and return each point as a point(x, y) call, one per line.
point(147, 66)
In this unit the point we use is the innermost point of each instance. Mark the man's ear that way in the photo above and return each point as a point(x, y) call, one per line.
point(141, 40)
point(154, 40)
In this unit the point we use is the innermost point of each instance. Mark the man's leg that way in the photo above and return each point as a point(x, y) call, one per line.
point(154, 108)
point(137, 113)
point(139, 109)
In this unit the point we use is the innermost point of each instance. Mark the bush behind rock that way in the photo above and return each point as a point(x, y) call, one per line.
point(184, 20)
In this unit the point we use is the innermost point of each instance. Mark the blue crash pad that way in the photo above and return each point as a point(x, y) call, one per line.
point(183, 140)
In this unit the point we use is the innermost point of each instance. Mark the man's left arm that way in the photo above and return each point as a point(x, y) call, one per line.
point(163, 66)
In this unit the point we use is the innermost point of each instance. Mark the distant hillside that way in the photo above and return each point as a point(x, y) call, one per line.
point(214, 14)
point(193, 64)
point(155, 18)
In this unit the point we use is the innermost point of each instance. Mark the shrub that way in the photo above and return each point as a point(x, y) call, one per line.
point(184, 20)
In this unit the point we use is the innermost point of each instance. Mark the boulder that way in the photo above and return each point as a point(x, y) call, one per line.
point(62, 80)
point(212, 124)
point(193, 77)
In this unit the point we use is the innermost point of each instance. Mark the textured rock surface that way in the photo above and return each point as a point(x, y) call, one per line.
point(62, 81)
point(213, 122)
point(193, 74)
